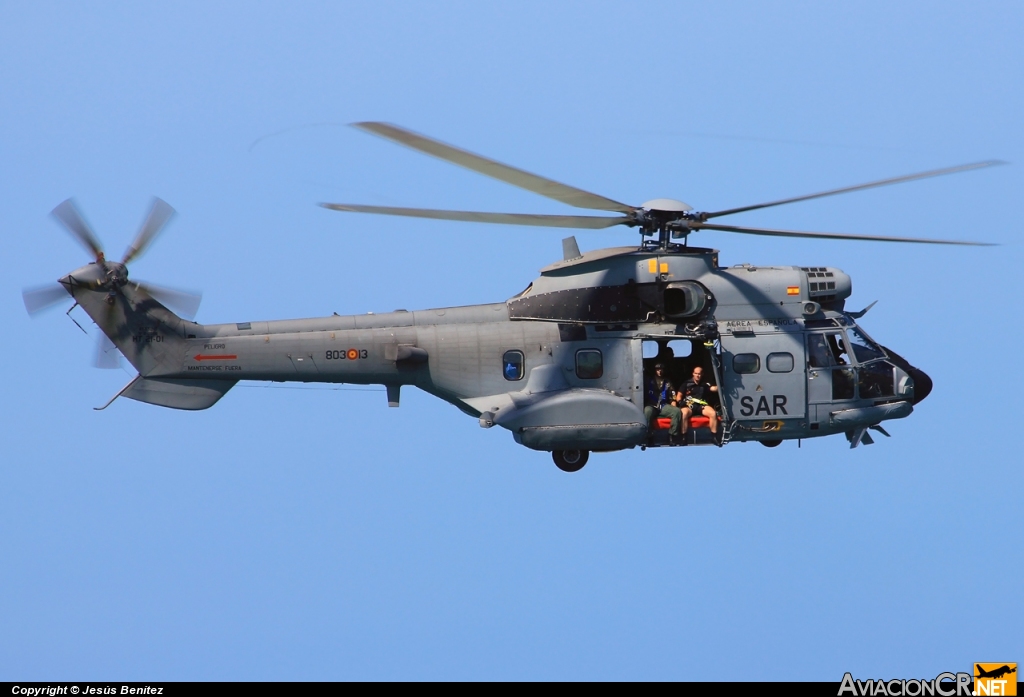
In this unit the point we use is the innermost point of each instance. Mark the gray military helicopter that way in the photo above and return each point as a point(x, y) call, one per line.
point(563, 365)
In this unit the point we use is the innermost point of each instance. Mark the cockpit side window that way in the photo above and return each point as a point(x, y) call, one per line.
point(837, 345)
point(876, 380)
point(818, 353)
point(864, 348)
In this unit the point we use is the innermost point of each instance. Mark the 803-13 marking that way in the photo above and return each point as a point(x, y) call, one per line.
point(351, 355)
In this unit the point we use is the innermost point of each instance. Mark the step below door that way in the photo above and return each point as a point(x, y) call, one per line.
point(304, 364)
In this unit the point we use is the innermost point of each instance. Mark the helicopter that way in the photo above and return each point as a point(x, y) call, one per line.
point(565, 365)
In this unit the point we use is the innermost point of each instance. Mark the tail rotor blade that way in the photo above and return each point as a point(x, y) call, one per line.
point(107, 356)
point(159, 215)
point(183, 302)
point(43, 297)
point(71, 218)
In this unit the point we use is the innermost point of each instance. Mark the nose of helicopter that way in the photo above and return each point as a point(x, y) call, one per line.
point(922, 383)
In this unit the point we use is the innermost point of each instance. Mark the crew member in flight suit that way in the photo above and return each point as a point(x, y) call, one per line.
point(694, 397)
point(661, 399)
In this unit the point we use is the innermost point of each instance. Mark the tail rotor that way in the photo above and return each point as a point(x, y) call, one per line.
point(107, 356)
point(160, 213)
point(68, 215)
point(44, 297)
point(110, 276)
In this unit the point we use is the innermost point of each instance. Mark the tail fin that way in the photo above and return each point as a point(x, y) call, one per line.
point(153, 340)
point(142, 328)
point(149, 335)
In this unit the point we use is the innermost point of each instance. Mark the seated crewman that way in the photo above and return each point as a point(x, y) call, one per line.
point(661, 399)
point(695, 393)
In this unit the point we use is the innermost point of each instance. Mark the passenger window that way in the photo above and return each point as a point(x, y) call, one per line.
point(512, 365)
point(681, 348)
point(746, 363)
point(589, 364)
point(677, 348)
point(780, 362)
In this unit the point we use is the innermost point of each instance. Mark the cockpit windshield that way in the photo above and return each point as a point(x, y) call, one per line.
point(863, 348)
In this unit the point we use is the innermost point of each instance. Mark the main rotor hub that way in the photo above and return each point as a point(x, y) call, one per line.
point(666, 205)
point(668, 218)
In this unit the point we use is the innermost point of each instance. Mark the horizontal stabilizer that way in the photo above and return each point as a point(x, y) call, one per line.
point(177, 394)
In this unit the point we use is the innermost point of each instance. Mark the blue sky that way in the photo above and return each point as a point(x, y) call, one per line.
point(316, 534)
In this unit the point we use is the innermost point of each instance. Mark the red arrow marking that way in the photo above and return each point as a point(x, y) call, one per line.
point(221, 357)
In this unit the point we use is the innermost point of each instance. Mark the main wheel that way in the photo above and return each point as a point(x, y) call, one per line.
point(570, 460)
point(771, 443)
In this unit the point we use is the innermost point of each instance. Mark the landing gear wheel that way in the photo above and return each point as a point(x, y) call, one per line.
point(771, 443)
point(570, 460)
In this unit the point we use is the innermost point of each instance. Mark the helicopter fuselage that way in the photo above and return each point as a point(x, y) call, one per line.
point(563, 364)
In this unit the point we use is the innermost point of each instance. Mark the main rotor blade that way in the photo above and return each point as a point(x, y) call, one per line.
point(70, 217)
point(590, 222)
point(491, 168)
point(183, 302)
point(159, 214)
point(830, 235)
point(42, 297)
point(107, 356)
point(860, 187)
